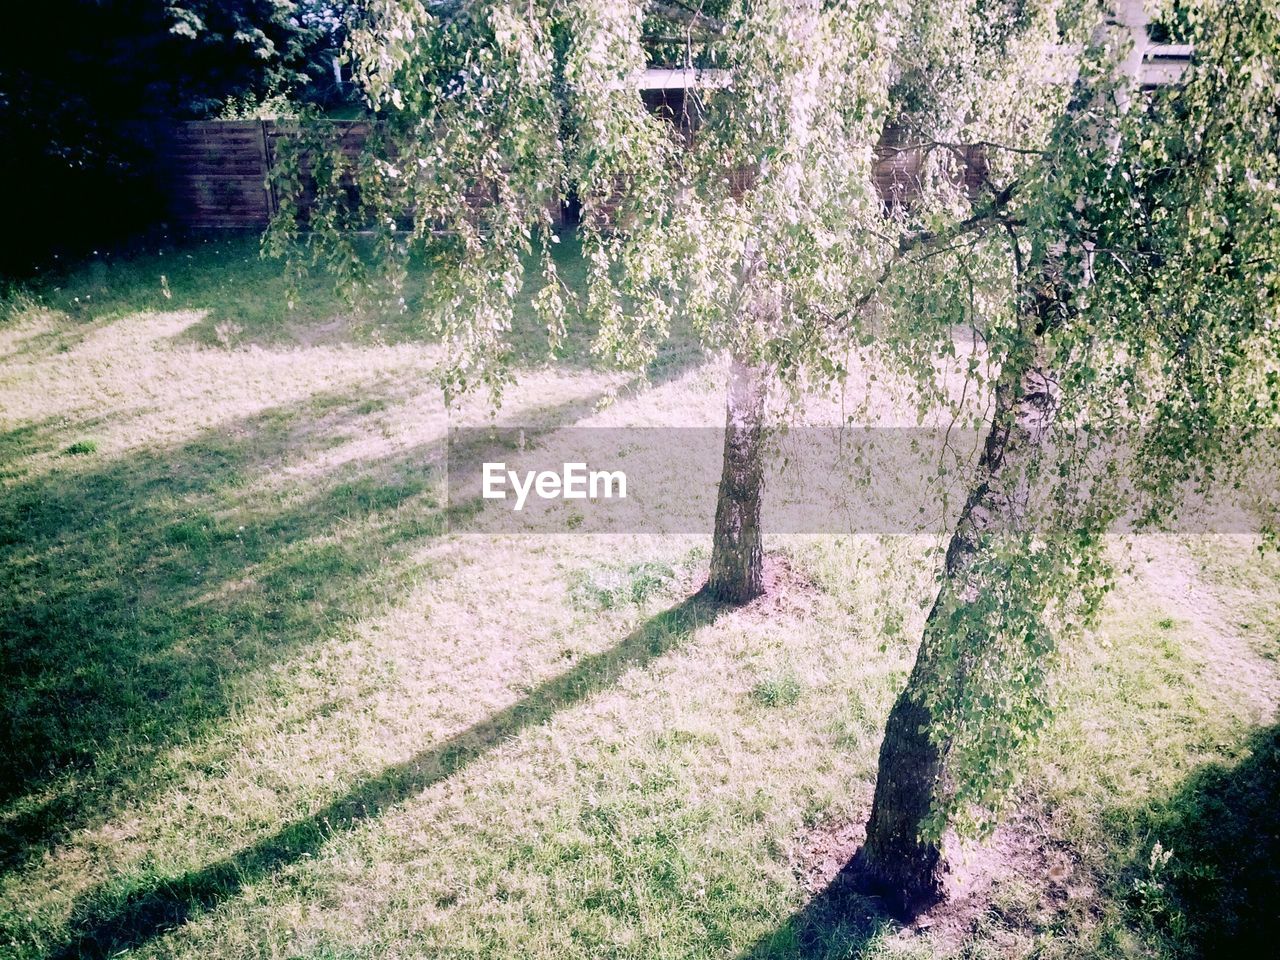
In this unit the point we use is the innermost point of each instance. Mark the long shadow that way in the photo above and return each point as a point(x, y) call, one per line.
point(165, 905)
point(140, 596)
point(1219, 893)
point(119, 622)
point(836, 924)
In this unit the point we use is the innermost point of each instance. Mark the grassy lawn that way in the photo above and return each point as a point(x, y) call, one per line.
point(260, 701)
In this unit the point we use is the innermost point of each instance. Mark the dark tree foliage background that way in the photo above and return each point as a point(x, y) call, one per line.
point(82, 83)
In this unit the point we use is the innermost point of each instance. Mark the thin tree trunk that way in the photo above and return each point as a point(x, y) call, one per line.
point(894, 861)
point(737, 554)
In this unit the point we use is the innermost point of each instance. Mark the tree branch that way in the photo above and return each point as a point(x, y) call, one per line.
point(990, 214)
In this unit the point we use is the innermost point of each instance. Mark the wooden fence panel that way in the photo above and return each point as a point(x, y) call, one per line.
point(217, 173)
point(214, 173)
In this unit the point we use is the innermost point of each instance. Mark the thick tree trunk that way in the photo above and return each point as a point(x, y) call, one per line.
point(894, 861)
point(737, 553)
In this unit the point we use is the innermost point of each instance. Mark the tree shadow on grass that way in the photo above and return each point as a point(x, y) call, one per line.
point(141, 596)
point(101, 931)
point(122, 623)
point(1219, 893)
point(836, 924)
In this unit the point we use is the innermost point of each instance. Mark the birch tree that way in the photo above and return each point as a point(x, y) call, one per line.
point(1142, 238)
point(491, 113)
point(1117, 260)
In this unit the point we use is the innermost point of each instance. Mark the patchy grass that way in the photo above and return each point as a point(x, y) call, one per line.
point(260, 701)
point(782, 688)
point(243, 300)
point(613, 586)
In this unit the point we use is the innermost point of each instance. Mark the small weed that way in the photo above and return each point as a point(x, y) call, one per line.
point(782, 689)
point(80, 447)
point(1148, 897)
point(227, 332)
point(196, 532)
point(15, 302)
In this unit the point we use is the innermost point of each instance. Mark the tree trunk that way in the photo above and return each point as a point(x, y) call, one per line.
point(737, 554)
point(894, 861)
point(913, 774)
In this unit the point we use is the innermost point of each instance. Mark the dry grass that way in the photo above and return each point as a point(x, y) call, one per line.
point(261, 703)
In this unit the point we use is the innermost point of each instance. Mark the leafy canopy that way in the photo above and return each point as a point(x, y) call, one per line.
point(492, 113)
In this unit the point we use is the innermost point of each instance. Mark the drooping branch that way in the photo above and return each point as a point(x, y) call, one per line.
point(991, 214)
point(927, 145)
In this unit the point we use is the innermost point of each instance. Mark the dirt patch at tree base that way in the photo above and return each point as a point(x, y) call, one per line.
point(1020, 856)
point(787, 591)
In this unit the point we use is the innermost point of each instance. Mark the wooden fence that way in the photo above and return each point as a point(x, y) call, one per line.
point(216, 173)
